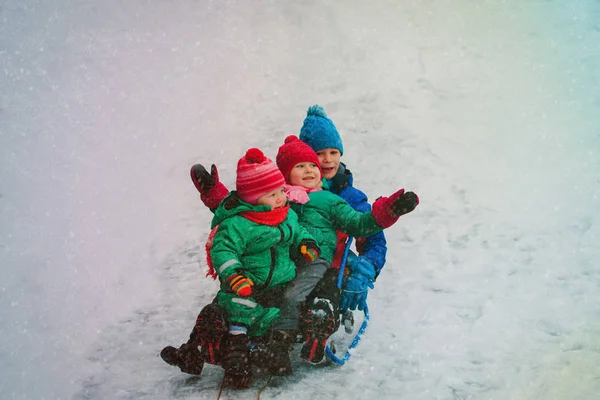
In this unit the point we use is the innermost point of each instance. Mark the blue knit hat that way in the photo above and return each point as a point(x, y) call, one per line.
point(319, 132)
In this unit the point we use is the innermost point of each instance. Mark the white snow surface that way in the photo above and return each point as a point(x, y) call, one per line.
point(486, 109)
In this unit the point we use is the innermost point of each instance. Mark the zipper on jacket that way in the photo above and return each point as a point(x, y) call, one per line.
point(272, 269)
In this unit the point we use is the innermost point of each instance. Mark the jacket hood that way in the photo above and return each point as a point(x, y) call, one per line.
point(233, 205)
point(342, 178)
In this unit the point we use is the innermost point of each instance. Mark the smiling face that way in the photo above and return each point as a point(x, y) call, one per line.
point(330, 161)
point(275, 199)
point(305, 174)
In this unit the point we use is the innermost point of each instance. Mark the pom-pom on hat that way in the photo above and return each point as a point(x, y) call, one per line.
point(256, 175)
point(319, 132)
point(292, 152)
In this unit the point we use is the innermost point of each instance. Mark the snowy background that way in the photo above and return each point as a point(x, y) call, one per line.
point(486, 109)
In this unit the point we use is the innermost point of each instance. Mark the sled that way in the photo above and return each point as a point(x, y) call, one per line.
point(328, 350)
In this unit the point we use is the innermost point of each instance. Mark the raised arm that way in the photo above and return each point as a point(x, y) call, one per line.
point(212, 191)
point(386, 211)
point(372, 249)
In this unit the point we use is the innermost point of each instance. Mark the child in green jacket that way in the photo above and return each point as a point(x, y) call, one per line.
point(255, 235)
point(323, 214)
point(326, 214)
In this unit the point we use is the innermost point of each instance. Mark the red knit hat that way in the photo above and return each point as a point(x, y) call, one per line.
point(292, 152)
point(256, 175)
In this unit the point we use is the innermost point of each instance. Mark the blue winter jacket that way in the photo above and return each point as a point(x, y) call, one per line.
point(375, 247)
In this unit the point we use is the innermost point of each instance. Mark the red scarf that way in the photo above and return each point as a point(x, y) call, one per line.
point(271, 218)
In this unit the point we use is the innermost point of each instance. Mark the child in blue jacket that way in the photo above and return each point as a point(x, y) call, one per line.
point(320, 133)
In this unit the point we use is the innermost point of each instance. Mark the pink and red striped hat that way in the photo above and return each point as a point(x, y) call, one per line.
point(256, 175)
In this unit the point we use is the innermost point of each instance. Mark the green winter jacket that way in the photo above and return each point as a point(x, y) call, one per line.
point(260, 252)
point(325, 213)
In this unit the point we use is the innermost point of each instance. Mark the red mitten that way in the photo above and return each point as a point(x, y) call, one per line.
point(387, 210)
point(214, 196)
point(382, 210)
point(212, 191)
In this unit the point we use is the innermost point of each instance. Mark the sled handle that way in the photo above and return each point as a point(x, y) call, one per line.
point(365, 323)
point(343, 263)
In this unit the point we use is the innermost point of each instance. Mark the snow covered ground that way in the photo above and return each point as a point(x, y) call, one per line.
point(485, 109)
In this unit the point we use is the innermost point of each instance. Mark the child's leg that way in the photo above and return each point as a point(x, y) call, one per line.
point(273, 353)
point(208, 330)
point(236, 359)
point(320, 317)
point(186, 357)
point(327, 288)
point(308, 276)
point(247, 317)
point(246, 311)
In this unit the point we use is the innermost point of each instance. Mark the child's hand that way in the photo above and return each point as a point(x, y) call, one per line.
point(241, 285)
point(362, 275)
point(202, 179)
point(354, 294)
point(386, 210)
point(405, 203)
point(212, 191)
point(309, 250)
point(362, 265)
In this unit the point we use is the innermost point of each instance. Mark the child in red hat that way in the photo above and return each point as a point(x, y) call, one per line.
point(324, 214)
point(254, 236)
point(301, 169)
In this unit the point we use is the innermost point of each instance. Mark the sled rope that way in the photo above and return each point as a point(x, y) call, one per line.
point(363, 326)
point(264, 387)
point(221, 389)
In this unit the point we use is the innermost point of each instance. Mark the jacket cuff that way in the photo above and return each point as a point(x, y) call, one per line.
point(212, 198)
point(382, 212)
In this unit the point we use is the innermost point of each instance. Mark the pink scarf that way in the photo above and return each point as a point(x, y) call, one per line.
point(298, 194)
point(271, 218)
